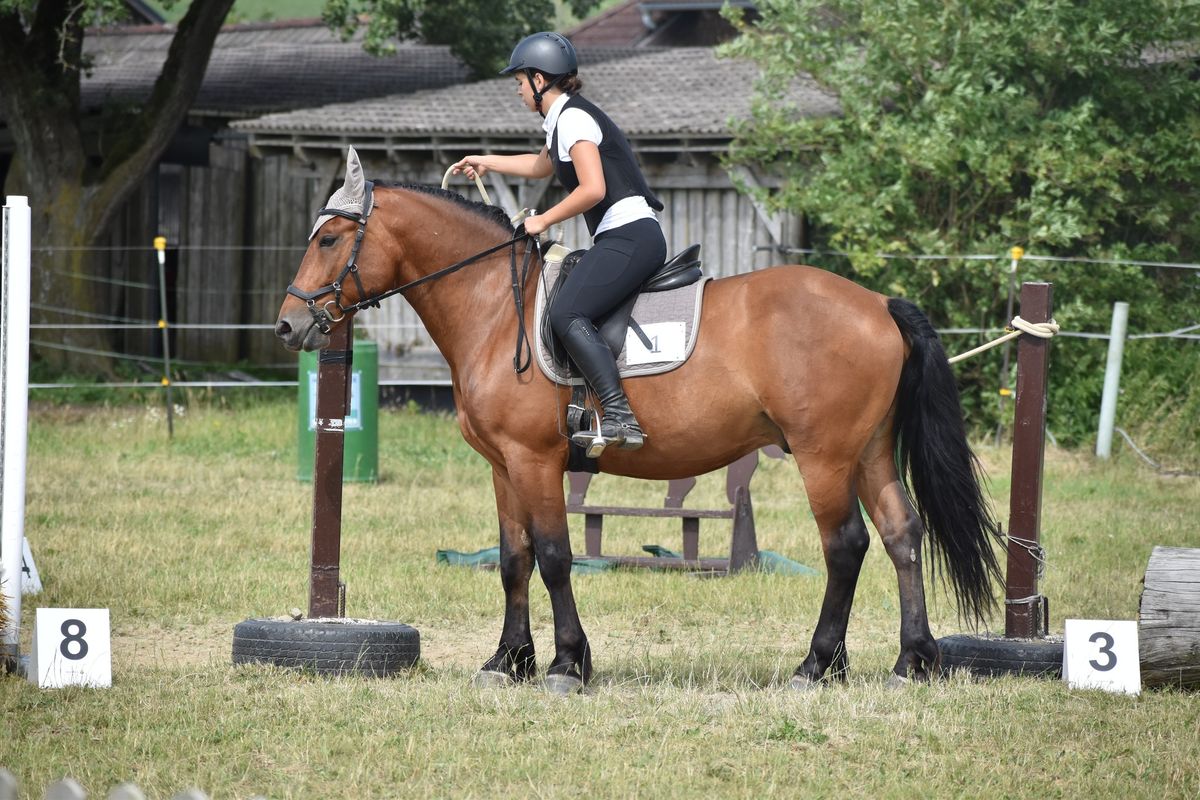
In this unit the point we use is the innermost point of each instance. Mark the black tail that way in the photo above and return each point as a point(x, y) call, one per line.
point(939, 469)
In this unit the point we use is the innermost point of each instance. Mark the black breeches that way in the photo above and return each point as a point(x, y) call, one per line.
point(620, 261)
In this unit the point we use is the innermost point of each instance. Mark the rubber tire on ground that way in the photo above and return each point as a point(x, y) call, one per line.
point(328, 647)
point(997, 655)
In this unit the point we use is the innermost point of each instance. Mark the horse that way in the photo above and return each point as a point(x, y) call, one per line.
point(854, 384)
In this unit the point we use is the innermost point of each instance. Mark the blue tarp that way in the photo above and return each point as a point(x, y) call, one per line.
point(768, 561)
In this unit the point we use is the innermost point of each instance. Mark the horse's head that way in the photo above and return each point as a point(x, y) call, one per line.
point(329, 282)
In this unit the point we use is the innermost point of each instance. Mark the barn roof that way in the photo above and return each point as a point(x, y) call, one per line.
point(674, 93)
point(263, 67)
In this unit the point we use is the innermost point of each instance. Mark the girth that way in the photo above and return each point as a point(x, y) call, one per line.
point(681, 270)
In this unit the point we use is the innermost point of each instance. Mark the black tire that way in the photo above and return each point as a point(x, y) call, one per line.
point(996, 655)
point(329, 646)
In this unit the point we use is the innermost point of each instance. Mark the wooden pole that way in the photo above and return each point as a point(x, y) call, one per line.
point(333, 393)
point(1025, 611)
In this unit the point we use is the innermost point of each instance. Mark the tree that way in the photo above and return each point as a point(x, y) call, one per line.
point(970, 126)
point(480, 32)
point(76, 178)
point(79, 169)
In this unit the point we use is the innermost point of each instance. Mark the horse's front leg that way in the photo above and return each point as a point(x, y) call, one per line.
point(514, 659)
point(541, 489)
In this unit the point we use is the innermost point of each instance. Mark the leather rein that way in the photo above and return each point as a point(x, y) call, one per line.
point(324, 318)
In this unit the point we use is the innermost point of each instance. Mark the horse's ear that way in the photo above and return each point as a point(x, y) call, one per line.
point(354, 186)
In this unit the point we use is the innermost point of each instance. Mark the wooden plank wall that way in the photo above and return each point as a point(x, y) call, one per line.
point(209, 285)
point(242, 228)
point(733, 240)
point(130, 269)
point(283, 200)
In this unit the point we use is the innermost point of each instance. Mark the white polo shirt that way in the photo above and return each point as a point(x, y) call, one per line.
point(576, 125)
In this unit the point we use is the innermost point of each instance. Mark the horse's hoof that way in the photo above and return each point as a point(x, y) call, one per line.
point(563, 685)
point(802, 683)
point(490, 679)
point(895, 681)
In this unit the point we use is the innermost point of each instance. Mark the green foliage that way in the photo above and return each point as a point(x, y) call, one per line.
point(967, 127)
point(480, 32)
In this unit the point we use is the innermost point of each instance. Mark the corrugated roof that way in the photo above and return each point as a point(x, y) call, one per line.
point(675, 92)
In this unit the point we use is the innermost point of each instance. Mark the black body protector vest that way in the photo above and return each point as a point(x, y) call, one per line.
point(622, 175)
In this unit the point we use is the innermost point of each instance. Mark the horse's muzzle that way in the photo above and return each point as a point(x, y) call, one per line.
point(300, 332)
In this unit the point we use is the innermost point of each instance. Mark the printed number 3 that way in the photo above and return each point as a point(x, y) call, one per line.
point(1105, 650)
point(77, 638)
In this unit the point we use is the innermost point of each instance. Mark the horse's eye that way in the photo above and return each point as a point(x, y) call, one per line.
point(328, 240)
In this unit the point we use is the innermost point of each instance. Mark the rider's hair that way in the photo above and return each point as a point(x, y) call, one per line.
point(569, 83)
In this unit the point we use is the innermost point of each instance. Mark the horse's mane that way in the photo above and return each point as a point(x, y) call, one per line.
point(491, 213)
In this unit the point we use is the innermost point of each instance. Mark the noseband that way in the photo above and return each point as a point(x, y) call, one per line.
point(323, 317)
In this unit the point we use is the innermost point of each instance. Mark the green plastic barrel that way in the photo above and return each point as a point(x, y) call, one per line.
point(361, 461)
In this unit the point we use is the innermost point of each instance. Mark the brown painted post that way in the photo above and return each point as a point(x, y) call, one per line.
point(333, 393)
point(1025, 610)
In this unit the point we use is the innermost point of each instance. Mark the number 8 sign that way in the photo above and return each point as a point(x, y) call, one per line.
point(71, 647)
point(1101, 654)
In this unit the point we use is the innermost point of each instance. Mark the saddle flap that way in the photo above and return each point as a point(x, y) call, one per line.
point(612, 326)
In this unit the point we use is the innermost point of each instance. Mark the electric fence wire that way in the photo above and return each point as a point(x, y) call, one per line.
point(1157, 467)
point(1001, 257)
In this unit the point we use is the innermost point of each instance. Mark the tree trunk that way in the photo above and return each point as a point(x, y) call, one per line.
point(1169, 619)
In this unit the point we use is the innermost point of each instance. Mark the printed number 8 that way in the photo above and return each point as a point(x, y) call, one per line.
point(76, 637)
point(1106, 650)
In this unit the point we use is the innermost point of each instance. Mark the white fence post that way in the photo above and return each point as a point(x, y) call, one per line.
point(14, 413)
point(1112, 379)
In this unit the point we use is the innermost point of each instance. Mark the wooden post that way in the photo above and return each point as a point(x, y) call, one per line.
point(333, 393)
point(1026, 611)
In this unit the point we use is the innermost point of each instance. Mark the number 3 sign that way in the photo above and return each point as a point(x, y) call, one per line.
point(71, 647)
point(1101, 654)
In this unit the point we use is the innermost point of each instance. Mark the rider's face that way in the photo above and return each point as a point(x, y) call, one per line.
point(526, 91)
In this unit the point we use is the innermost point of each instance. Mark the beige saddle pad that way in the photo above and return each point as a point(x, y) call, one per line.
point(670, 320)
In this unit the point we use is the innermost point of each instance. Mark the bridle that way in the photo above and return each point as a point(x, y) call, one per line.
point(324, 318)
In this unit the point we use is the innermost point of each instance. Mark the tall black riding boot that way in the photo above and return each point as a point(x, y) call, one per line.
point(595, 360)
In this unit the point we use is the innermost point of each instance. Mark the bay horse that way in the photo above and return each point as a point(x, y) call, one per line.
point(854, 384)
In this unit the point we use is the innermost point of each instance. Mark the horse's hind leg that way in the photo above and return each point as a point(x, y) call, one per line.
point(901, 531)
point(844, 540)
point(514, 658)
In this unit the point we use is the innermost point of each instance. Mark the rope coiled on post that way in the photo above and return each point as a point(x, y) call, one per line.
point(1042, 330)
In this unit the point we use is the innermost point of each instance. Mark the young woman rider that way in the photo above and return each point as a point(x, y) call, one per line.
point(592, 160)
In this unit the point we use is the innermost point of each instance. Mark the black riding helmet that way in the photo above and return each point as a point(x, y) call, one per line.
point(547, 52)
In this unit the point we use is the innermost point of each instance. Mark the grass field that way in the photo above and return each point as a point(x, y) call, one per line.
point(183, 539)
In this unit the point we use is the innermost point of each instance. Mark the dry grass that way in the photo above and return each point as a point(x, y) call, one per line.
point(183, 539)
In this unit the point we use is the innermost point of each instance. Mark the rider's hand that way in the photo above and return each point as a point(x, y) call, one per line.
point(471, 166)
point(536, 225)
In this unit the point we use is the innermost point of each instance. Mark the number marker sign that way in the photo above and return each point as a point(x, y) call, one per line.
point(668, 342)
point(1101, 654)
point(71, 647)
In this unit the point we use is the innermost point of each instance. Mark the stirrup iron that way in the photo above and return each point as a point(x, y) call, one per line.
point(591, 441)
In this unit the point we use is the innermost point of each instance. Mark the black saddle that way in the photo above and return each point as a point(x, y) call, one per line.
point(682, 270)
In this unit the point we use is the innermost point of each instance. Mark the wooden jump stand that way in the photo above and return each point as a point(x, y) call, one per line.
point(743, 543)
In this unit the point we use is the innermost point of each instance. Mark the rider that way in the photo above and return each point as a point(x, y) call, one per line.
point(592, 159)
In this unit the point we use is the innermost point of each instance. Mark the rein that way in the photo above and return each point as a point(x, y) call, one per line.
point(324, 319)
